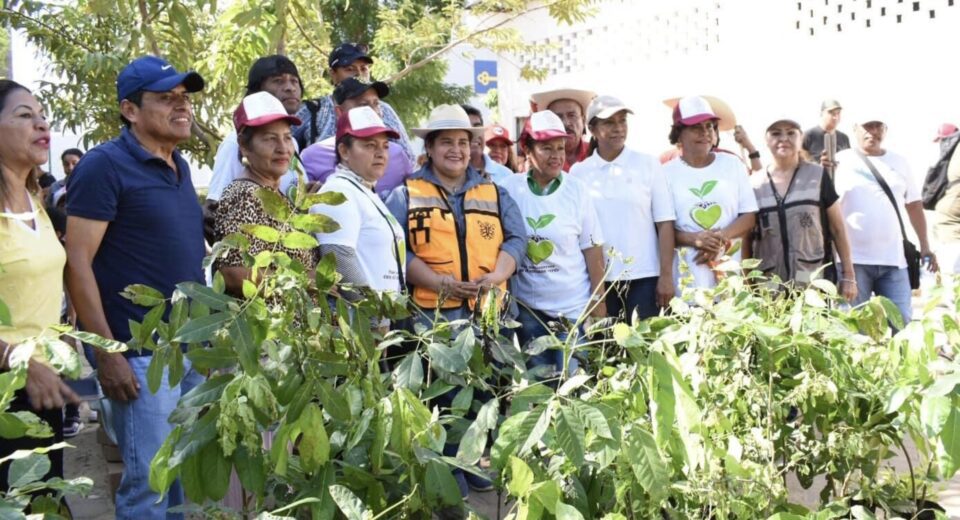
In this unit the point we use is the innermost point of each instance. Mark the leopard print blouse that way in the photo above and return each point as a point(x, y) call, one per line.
point(238, 206)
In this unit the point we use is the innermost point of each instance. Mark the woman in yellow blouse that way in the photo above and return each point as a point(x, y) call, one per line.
point(31, 265)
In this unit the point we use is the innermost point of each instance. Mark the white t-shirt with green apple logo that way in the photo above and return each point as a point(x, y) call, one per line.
point(553, 276)
point(708, 198)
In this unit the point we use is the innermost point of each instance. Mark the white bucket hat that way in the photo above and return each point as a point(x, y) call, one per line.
point(448, 117)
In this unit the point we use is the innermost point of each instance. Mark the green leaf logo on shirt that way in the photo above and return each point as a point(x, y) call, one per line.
point(705, 213)
point(539, 248)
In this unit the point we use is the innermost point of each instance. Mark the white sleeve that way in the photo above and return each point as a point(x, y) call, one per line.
point(346, 214)
point(590, 233)
point(660, 193)
point(748, 199)
point(913, 188)
point(226, 166)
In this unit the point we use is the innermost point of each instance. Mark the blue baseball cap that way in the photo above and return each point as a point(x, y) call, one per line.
point(347, 53)
point(154, 74)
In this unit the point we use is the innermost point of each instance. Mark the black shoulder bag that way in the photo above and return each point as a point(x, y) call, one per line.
point(909, 250)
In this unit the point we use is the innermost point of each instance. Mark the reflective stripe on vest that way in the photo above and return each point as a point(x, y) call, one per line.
point(434, 236)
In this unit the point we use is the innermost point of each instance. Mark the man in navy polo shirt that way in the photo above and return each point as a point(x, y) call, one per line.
point(133, 218)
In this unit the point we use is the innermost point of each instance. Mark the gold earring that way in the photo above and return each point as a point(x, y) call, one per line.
point(244, 161)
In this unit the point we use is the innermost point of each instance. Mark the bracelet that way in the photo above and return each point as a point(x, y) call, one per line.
point(848, 280)
point(754, 154)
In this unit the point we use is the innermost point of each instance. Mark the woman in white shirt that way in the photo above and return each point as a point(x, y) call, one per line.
point(369, 246)
point(635, 210)
point(560, 277)
point(712, 194)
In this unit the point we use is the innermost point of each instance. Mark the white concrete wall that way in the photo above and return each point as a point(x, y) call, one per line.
point(752, 54)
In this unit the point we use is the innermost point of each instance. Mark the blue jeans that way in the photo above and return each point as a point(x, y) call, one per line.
point(141, 426)
point(639, 294)
point(885, 280)
point(532, 326)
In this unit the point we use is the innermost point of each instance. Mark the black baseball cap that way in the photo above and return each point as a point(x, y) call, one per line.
point(353, 87)
point(347, 53)
point(269, 66)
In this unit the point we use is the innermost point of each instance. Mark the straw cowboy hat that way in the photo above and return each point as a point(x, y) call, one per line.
point(448, 117)
point(542, 100)
point(727, 121)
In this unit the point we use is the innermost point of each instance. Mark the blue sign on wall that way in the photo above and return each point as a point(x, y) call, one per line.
point(484, 76)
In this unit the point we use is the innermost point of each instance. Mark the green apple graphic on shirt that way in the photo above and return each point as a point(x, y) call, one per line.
point(705, 213)
point(539, 248)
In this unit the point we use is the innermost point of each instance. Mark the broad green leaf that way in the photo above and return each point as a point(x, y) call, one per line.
point(314, 223)
point(244, 344)
point(350, 505)
point(440, 485)
point(192, 480)
point(536, 424)
point(409, 373)
point(572, 384)
point(162, 474)
point(567, 512)
point(532, 222)
point(27, 470)
point(949, 446)
point(202, 329)
point(107, 345)
point(326, 272)
point(265, 233)
point(648, 465)
point(521, 478)
point(158, 363)
point(330, 198)
point(570, 435)
point(5, 319)
point(314, 445)
point(12, 426)
point(215, 471)
point(299, 240)
point(547, 494)
point(210, 358)
point(42, 450)
point(143, 295)
point(474, 440)
point(892, 312)
point(593, 419)
point(334, 402)
point(62, 357)
point(249, 289)
point(251, 469)
point(462, 401)
point(274, 204)
point(206, 392)
point(206, 295)
point(934, 411)
point(446, 358)
point(300, 399)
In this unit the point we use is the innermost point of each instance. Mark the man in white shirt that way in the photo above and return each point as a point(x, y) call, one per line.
point(872, 223)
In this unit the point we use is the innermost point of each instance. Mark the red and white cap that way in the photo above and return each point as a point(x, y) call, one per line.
point(497, 132)
point(363, 122)
point(261, 108)
point(945, 130)
point(543, 126)
point(693, 110)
